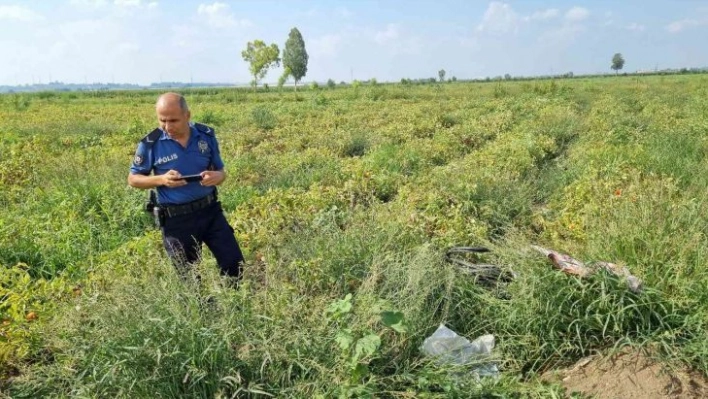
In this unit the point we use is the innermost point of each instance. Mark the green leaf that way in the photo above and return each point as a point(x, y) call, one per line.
point(358, 372)
point(394, 320)
point(340, 306)
point(366, 346)
point(344, 339)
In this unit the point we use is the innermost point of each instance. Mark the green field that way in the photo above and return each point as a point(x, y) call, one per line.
point(356, 190)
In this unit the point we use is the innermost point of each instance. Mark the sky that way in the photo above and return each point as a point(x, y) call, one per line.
point(150, 41)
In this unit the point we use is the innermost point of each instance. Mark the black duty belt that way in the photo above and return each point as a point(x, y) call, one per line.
point(183, 209)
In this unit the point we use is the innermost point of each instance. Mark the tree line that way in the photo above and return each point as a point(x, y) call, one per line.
point(262, 57)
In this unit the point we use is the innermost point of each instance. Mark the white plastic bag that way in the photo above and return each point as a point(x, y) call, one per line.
point(449, 348)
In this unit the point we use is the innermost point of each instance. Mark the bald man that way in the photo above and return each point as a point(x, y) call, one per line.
point(181, 161)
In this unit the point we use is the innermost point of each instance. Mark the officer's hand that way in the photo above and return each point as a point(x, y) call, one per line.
point(212, 177)
point(172, 179)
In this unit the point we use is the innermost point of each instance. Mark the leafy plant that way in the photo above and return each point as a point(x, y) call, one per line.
point(356, 146)
point(359, 347)
point(210, 117)
point(263, 118)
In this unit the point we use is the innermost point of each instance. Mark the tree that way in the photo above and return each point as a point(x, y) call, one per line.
point(261, 57)
point(284, 77)
point(617, 62)
point(441, 75)
point(294, 56)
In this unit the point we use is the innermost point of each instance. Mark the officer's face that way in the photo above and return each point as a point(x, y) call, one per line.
point(173, 119)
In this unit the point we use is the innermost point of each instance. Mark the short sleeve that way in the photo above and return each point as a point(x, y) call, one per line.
point(216, 155)
point(142, 162)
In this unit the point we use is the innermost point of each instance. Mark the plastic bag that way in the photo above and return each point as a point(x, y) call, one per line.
point(449, 348)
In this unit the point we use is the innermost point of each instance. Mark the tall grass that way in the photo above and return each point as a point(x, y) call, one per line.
point(344, 203)
point(150, 334)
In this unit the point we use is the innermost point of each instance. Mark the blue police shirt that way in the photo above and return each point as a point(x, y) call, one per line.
point(165, 154)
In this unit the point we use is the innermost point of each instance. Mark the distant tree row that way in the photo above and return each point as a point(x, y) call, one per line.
point(431, 80)
point(617, 65)
point(261, 57)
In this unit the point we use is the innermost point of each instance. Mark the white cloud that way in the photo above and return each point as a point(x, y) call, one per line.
point(577, 14)
point(543, 15)
point(88, 3)
point(392, 32)
point(502, 18)
point(124, 43)
point(135, 4)
point(219, 15)
point(132, 8)
point(565, 34)
point(678, 26)
point(62, 47)
point(499, 18)
point(19, 13)
point(397, 41)
point(127, 3)
point(635, 27)
point(212, 9)
point(571, 26)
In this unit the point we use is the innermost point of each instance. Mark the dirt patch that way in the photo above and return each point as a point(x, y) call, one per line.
point(629, 375)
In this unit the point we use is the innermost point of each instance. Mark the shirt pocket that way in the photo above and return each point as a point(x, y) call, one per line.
point(201, 158)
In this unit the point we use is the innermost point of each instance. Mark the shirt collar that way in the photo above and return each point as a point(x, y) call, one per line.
point(193, 131)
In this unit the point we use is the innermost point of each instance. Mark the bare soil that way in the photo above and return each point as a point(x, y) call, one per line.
point(631, 374)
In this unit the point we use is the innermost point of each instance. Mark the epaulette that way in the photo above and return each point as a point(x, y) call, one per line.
point(204, 129)
point(152, 137)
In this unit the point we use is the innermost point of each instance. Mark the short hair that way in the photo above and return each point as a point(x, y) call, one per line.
point(183, 103)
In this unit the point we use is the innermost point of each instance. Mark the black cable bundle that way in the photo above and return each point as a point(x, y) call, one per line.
point(465, 258)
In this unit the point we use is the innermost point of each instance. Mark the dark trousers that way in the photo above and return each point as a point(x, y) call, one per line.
point(183, 236)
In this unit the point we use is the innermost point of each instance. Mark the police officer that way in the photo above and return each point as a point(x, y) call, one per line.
point(189, 212)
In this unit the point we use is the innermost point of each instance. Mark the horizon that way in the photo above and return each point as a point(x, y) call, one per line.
point(694, 69)
point(108, 42)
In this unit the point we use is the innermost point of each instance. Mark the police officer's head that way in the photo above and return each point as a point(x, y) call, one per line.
point(173, 114)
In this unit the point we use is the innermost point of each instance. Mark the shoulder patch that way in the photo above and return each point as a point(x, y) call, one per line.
point(138, 160)
point(152, 137)
point(204, 129)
